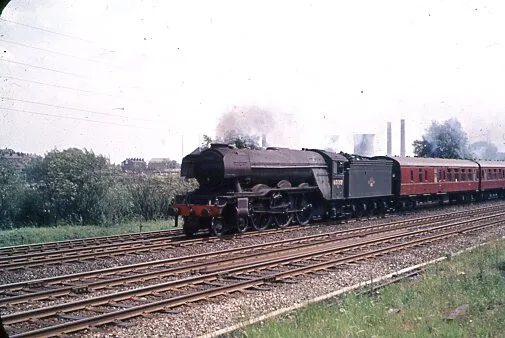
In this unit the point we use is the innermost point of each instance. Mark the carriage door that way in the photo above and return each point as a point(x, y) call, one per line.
point(436, 178)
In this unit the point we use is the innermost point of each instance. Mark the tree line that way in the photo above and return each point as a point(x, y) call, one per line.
point(448, 140)
point(79, 187)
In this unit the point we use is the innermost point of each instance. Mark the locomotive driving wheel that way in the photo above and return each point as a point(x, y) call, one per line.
point(260, 220)
point(304, 215)
point(283, 220)
point(281, 203)
point(259, 216)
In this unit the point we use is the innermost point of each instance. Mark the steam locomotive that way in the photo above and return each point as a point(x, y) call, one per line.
point(242, 188)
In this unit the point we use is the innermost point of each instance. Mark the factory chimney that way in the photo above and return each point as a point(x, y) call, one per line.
point(402, 138)
point(264, 141)
point(389, 140)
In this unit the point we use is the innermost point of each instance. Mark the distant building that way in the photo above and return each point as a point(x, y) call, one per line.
point(163, 165)
point(134, 165)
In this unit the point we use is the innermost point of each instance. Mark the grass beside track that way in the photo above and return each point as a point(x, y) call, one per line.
point(473, 282)
point(30, 235)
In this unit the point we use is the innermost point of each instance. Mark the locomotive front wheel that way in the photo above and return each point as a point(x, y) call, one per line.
point(261, 221)
point(218, 226)
point(190, 226)
point(242, 224)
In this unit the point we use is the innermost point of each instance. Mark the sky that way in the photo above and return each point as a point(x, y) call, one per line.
point(130, 78)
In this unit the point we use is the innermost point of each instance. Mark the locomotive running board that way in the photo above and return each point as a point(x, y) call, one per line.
point(266, 191)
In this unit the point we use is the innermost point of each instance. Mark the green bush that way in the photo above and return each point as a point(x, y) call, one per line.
point(75, 186)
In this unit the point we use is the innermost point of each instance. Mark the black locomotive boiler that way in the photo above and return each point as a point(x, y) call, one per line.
point(241, 188)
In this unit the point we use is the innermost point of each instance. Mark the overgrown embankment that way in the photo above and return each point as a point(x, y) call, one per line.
point(463, 297)
point(29, 235)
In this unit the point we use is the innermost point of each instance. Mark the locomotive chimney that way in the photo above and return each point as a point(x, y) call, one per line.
point(402, 136)
point(389, 140)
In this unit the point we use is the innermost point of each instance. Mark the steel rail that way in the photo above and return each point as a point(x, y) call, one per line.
point(128, 268)
point(9, 253)
point(120, 248)
point(84, 286)
point(23, 261)
point(245, 267)
point(227, 289)
point(25, 248)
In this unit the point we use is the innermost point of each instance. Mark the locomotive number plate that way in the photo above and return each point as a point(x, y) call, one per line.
point(338, 182)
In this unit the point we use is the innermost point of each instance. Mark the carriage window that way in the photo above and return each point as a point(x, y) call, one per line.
point(456, 175)
point(425, 175)
point(420, 175)
point(411, 175)
point(449, 175)
point(463, 175)
point(474, 175)
point(435, 175)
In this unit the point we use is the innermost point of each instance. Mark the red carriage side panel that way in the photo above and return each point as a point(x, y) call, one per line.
point(424, 176)
point(492, 175)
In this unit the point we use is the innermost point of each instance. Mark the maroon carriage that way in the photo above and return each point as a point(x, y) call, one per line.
point(417, 179)
point(492, 175)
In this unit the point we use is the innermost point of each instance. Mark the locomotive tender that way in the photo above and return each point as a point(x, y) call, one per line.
point(241, 188)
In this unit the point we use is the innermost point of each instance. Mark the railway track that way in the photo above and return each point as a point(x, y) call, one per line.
point(84, 242)
point(12, 260)
point(50, 288)
point(225, 276)
point(39, 255)
point(95, 243)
